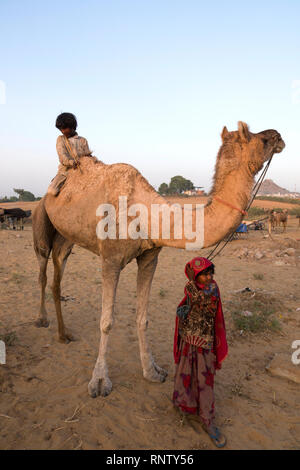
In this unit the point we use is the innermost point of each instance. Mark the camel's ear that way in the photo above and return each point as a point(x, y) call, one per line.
point(225, 133)
point(243, 131)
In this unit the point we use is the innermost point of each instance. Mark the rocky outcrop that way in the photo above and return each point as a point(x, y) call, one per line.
point(269, 188)
point(279, 257)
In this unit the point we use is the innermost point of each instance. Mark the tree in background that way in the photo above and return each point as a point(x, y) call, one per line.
point(163, 189)
point(178, 185)
point(9, 199)
point(24, 195)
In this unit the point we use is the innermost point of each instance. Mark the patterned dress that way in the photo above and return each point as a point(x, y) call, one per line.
point(194, 373)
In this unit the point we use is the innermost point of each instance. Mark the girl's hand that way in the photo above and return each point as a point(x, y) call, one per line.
point(190, 272)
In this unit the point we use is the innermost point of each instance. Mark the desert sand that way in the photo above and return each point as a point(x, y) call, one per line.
point(44, 403)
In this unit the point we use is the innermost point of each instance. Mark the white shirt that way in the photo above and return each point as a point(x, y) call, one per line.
point(79, 146)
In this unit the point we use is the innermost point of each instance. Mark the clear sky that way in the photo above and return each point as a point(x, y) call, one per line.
point(152, 83)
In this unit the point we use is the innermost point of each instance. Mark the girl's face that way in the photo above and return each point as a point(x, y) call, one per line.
point(205, 278)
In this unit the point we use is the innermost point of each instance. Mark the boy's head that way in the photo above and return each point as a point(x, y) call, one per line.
point(67, 124)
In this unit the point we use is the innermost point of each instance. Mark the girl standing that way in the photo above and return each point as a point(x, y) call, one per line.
point(199, 346)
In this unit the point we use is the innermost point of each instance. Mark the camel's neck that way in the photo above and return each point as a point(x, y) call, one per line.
point(221, 219)
point(218, 218)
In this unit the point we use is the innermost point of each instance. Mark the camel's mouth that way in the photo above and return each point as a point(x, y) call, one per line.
point(272, 140)
point(280, 146)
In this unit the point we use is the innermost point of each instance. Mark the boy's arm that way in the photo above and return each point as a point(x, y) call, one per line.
point(63, 155)
point(85, 150)
point(85, 147)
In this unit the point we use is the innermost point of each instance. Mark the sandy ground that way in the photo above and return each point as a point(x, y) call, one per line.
point(44, 403)
point(26, 206)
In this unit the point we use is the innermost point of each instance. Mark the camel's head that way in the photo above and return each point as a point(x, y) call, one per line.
point(252, 149)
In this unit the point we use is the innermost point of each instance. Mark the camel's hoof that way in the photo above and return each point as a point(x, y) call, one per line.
point(41, 323)
point(100, 387)
point(161, 371)
point(154, 376)
point(66, 338)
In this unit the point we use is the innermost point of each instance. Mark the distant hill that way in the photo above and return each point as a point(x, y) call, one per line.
point(269, 188)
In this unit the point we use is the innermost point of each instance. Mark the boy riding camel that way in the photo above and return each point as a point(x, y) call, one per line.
point(70, 148)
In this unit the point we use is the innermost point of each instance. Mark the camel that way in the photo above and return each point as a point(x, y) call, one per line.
point(272, 221)
point(282, 217)
point(73, 216)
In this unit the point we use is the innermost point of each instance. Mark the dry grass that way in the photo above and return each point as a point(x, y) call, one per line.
point(255, 312)
point(17, 278)
point(9, 338)
point(162, 292)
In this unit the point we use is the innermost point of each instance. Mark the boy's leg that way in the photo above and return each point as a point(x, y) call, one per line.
point(56, 184)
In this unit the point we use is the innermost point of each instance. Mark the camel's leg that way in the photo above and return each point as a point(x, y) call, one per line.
point(284, 223)
point(43, 235)
point(269, 227)
point(60, 252)
point(146, 267)
point(100, 383)
point(42, 320)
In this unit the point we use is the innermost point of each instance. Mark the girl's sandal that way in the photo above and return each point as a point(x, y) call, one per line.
point(217, 437)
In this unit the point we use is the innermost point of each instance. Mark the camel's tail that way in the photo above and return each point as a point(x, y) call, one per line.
point(43, 231)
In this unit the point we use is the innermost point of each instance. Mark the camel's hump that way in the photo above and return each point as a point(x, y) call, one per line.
point(92, 177)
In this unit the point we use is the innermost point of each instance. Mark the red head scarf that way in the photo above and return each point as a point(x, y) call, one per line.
point(198, 264)
point(220, 347)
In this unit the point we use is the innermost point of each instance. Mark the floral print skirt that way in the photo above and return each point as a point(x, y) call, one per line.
point(194, 382)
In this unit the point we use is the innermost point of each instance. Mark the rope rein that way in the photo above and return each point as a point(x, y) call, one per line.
point(230, 205)
point(254, 192)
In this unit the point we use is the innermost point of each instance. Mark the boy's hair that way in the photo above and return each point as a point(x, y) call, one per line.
point(66, 120)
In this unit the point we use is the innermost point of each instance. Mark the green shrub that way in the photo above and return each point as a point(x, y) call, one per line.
point(256, 212)
point(295, 211)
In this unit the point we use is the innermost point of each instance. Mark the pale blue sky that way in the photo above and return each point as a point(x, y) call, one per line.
point(152, 83)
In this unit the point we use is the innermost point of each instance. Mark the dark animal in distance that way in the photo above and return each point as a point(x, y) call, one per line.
point(14, 215)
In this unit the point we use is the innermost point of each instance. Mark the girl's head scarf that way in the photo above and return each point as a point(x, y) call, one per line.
point(198, 265)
